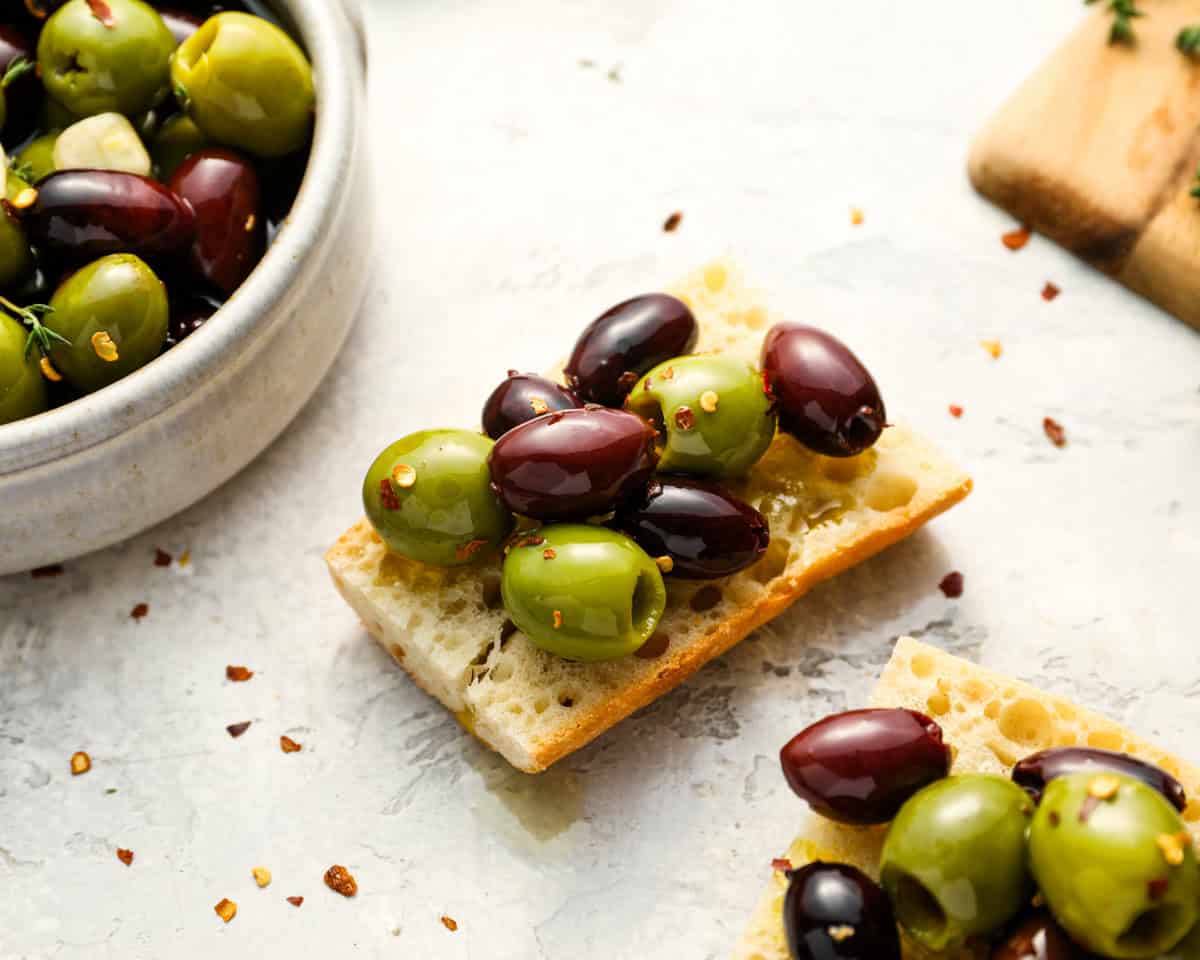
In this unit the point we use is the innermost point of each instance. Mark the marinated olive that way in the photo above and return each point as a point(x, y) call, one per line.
point(521, 397)
point(717, 418)
point(38, 156)
point(189, 312)
point(22, 389)
point(832, 911)
point(246, 83)
point(1038, 938)
point(624, 342)
point(16, 258)
point(181, 23)
point(20, 90)
point(861, 766)
point(101, 58)
point(105, 141)
point(704, 530)
point(230, 230)
point(429, 497)
point(954, 861)
point(582, 592)
point(1034, 772)
point(1115, 864)
point(176, 140)
point(84, 214)
point(113, 314)
point(573, 463)
point(827, 398)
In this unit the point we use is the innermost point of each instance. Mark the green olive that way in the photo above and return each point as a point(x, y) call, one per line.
point(1116, 864)
point(14, 186)
point(246, 83)
point(22, 389)
point(16, 257)
point(716, 416)
point(954, 862)
point(113, 314)
point(115, 61)
point(55, 117)
point(177, 140)
point(38, 156)
point(582, 592)
point(429, 497)
point(1186, 949)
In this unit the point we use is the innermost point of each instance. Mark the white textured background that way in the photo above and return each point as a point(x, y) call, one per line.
point(521, 194)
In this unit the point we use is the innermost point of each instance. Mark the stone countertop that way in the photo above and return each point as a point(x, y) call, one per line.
point(526, 155)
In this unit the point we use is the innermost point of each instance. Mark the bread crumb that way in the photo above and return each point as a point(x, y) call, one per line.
point(80, 763)
point(340, 880)
point(139, 611)
point(1050, 291)
point(262, 876)
point(449, 923)
point(1016, 239)
point(235, 730)
point(1054, 431)
point(671, 224)
point(952, 584)
point(161, 558)
point(226, 909)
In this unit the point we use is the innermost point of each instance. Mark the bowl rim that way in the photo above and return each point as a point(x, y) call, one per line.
point(174, 375)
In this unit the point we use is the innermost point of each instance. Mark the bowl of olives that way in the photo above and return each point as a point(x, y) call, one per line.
point(181, 250)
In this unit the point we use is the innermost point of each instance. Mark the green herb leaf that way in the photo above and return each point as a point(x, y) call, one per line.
point(1123, 12)
point(17, 69)
point(1188, 40)
point(40, 335)
point(22, 169)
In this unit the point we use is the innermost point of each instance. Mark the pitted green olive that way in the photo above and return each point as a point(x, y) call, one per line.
point(714, 416)
point(429, 497)
point(1116, 864)
point(954, 862)
point(38, 156)
point(583, 592)
point(16, 257)
point(22, 389)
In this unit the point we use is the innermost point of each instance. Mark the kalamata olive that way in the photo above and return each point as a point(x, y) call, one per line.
point(573, 464)
point(624, 342)
point(87, 214)
point(1038, 938)
point(707, 532)
point(832, 911)
point(222, 188)
point(521, 397)
point(862, 765)
point(1034, 772)
point(181, 23)
point(189, 312)
point(827, 399)
point(24, 94)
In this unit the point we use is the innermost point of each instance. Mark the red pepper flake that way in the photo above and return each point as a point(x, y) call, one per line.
point(549, 554)
point(1156, 889)
point(161, 558)
point(952, 584)
point(1016, 239)
point(1050, 291)
point(781, 863)
point(139, 611)
point(684, 418)
point(956, 411)
point(856, 216)
point(1054, 431)
point(295, 901)
point(766, 381)
point(558, 619)
point(288, 745)
point(533, 541)
point(994, 348)
point(102, 12)
point(1055, 819)
point(449, 923)
point(41, 573)
point(469, 550)
point(80, 763)
point(671, 224)
point(226, 909)
point(387, 496)
point(235, 730)
point(340, 880)
point(238, 674)
point(125, 856)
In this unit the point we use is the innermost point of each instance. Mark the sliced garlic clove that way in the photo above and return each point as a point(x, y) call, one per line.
point(106, 141)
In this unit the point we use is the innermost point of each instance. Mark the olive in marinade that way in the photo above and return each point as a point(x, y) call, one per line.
point(1037, 770)
point(87, 214)
point(624, 342)
point(573, 464)
point(521, 397)
point(833, 911)
point(705, 531)
point(826, 398)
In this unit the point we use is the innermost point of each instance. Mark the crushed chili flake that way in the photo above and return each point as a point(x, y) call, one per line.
point(295, 901)
point(161, 558)
point(262, 876)
point(1156, 889)
point(549, 553)
point(340, 880)
point(856, 216)
point(102, 12)
point(1050, 291)
point(25, 199)
point(671, 224)
point(840, 932)
point(48, 370)
point(104, 347)
point(1055, 819)
point(288, 745)
point(994, 348)
point(235, 730)
point(766, 384)
point(250, 222)
point(125, 856)
point(80, 763)
point(52, 570)
point(185, 558)
point(951, 584)
point(781, 863)
point(238, 674)
point(558, 620)
point(1054, 431)
point(538, 405)
point(1016, 239)
point(226, 909)
point(1103, 786)
point(467, 551)
point(387, 496)
point(956, 411)
point(665, 563)
point(684, 418)
point(533, 541)
point(1172, 846)
point(449, 923)
point(139, 610)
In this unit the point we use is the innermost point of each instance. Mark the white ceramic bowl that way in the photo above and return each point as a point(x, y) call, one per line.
point(105, 467)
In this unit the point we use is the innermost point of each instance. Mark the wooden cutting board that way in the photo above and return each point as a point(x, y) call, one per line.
point(1099, 149)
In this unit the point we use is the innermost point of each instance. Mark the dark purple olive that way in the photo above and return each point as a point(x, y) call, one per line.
point(222, 188)
point(573, 464)
point(832, 911)
point(24, 94)
point(521, 397)
point(860, 766)
point(1038, 938)
point(1034, 772)
point(621, 344)
point(826, 398)
point(707, 532)
point(87, 214)
point(181, 23)
point(189, 312)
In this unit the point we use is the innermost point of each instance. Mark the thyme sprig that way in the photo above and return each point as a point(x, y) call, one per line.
point(16, 70)
point(1123, 12)
point(40, 335)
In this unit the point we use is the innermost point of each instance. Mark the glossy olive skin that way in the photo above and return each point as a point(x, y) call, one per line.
point(521, 397)
point(624, 342)
point(1035, 771)
point(247, 84)
point(573, 464)
point(118, 295)
point(723, 442)
point(833, 896)
point(862, 766)
point(826, 398)
point(1099, 866)
point(86, 214)
point(706, 531)
point(176, 140)
point(582, 592)
point(16, 257)
point(1038, 937)
point(954, 861)
point(38, 154)
point(22, 388)
point(181, 23)
point(222, 188)
point(189, 312)
point(90, 67)
point(449, 515)
point(1187, 949)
